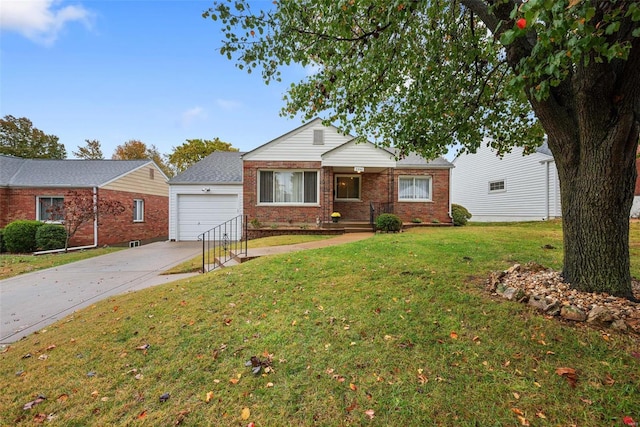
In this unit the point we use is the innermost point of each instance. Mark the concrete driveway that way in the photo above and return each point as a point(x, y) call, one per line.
point(30, 302)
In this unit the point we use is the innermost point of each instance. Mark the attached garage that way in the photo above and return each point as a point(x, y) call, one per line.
point(205, 195)
point(198, 213)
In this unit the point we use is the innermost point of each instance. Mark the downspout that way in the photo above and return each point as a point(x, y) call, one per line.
point(95, 216)
point(450, 216)
point(546, 190)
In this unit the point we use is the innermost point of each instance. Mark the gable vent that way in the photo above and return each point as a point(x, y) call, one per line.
point(318, 137)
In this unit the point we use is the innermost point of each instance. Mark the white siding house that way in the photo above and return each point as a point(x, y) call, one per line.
point(511, 188)
point(295, 146)
point(205, 195)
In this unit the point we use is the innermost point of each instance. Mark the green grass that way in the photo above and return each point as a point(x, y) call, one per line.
point(15, 264)
point(398, 324)
point(195, 264)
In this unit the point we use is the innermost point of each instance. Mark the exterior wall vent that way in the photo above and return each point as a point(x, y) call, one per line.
point(318, 137)
point(134, 243)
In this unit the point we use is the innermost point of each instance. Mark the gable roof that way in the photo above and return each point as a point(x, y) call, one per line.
point(288, 135)
point(19, 172)
point(219, 167)
point(414, 160)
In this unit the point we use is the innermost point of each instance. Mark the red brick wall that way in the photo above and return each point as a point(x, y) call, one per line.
point(20, 203)
point(437, 209)
point(122, 229)
point(276, 214)
point(381, 187)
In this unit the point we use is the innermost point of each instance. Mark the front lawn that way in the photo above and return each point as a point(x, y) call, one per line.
point(394, 330)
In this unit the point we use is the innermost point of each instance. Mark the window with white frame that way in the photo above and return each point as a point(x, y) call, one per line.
point(50, 208)
point(497, 186)
point(288, 187)
point(138, 210)
point(414, 188)
point(347, 187)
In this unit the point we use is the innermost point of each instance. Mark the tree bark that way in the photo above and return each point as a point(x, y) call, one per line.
point(592, 127)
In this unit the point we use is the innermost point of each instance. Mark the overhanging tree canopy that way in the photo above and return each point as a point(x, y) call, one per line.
point(423, 75)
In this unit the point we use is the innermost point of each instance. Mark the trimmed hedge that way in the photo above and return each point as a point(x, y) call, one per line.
point(51, 236)
point(460, 214)
point(20, 236)
point(388, 222)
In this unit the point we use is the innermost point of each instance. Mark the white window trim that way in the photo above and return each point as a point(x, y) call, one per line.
point(427, 177)
point(495, 181)
point(38, 212)
point(335, 184)
point(140, 214)
point(308, 204)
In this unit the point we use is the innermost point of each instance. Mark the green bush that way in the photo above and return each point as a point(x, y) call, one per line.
point(2, 248)
point(460, 214)
point(388, 222)
point(20, 236)
point(51, 236)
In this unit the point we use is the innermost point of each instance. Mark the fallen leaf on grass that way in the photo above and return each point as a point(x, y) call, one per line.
point(40, 418)
point(246, 413)
point(569, 374)
point(142, 414)
point(608, 380)
point(353, 406)
point(51, 347)
point(353, 387)
point(208, 397)
point(63, 397)
point(370, 413)
point(453, 335)
point(181, 417)
point(34, 402)
point(143, 347)
point(629, 421)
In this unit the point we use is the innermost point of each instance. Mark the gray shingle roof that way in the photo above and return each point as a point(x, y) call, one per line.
point(414, 159)
point(63, 173)
point(219, 167)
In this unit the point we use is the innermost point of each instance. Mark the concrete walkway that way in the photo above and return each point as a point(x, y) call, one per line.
point(32, 301)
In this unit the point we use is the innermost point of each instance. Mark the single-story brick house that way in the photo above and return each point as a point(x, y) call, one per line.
point(29, 186)
point(303, 176)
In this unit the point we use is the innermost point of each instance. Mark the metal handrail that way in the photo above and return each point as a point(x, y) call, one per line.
point(377, 208)
point(224, 242)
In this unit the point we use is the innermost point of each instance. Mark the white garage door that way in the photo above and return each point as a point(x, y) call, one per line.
point(198, 213)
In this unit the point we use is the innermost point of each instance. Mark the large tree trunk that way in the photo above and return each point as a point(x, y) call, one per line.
point(592, 128)
point(597, 194)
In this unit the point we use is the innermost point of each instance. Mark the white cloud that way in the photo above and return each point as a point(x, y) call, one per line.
point(227, 104)
point(40, 20)
point(191, 115)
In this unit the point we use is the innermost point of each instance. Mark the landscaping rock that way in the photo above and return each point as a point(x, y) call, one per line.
point(599, 314)
point(545, 290)
point(513, 294)
point(571, 312)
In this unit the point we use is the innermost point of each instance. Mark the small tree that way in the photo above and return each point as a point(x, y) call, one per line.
point(91, 151)
point(80, 208)
point(194, 150)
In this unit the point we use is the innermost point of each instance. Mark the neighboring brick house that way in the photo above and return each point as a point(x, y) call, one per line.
point(305, 175)
point(29, 186)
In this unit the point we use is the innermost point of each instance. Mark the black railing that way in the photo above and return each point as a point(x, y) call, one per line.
point(223, 243)
point(377, 208)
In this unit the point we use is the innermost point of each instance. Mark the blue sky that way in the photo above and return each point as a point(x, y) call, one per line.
point(130, 69)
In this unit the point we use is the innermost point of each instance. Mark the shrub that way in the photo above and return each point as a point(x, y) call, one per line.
point(460, 214)
point(388, 222)
point(20, 236)
point(2, 248)
point(51, 236)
